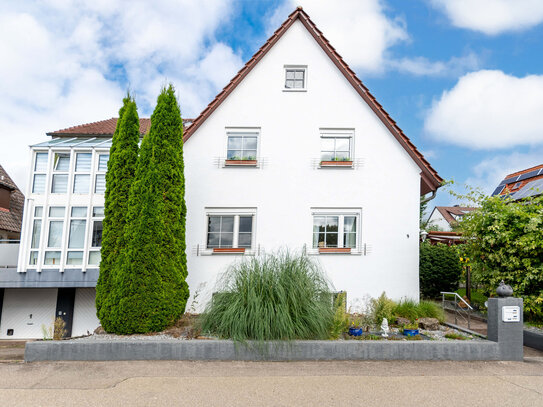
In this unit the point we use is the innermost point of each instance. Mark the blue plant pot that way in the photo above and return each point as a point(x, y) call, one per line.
point(355, 331)
point(411, 332)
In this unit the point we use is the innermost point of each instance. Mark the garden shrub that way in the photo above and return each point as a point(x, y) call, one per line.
point(412, 310)
point(340, 322)
point(440, 269)
point(382, 307)
point(278, 296)
point(504, 239)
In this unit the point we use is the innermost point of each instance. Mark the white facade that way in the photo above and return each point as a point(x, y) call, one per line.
point(305, 151)
point(383, 186)
point(437, 219)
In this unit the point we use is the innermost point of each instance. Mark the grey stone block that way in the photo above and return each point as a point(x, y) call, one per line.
point(509, 335)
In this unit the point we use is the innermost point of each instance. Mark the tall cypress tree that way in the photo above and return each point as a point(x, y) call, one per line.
point(150, 288)
point(121, 169)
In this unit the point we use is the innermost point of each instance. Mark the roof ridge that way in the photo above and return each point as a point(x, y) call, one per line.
point(429, 175)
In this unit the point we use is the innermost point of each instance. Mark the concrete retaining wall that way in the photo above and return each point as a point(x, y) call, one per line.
point(533, 339)
point(228, 350)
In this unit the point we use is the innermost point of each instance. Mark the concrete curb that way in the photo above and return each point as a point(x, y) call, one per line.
point(533, 339)
point(275, 351)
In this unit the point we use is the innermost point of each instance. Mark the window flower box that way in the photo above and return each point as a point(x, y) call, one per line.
point(336, 163)
point(240, 162)
point(226, 250)
point(334, 250)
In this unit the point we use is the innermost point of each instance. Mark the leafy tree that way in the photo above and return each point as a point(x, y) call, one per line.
point(505, 241)
point(150, 288)
point(121, 169)
point(439, 269)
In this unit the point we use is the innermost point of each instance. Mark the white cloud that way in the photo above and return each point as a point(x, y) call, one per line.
point(421, 66)
point(488, 173)
point(358, 29)
point(489, 110)
point(67, 62)
point(492, 17)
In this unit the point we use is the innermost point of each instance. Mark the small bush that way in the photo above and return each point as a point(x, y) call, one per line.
point(282, 296)
point(424, 309)
point(452, 335)
point(340, 323)
point(382, 307)
point(439, 270)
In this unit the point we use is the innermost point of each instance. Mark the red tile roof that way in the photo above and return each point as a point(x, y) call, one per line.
point(11, 219)
point(104, 128)
point(430, 178)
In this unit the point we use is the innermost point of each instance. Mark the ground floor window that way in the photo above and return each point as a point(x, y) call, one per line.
point(335, 230)
point(230, 230)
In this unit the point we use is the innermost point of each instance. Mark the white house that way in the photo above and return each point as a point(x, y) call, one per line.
point(294, 153)
point(444, 218)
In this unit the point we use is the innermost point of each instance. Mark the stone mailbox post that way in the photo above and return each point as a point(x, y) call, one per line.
point(505, 323)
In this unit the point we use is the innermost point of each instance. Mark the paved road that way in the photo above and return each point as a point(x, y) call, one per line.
point(168, 383)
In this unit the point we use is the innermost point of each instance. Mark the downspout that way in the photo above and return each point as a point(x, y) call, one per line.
point(429, 198)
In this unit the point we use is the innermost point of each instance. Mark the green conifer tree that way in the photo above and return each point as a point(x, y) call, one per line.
point(150, 288)
point(123, 156)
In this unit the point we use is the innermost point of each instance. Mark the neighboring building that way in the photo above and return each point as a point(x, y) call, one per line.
point(11, 208)
point(294, 153)
point(522, 184)
point(444, 218)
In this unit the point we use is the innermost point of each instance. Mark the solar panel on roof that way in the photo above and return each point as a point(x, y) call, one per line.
point(528, 175)
point(498, 190)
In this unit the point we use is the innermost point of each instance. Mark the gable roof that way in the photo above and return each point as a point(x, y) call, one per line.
point(430, 180)
point(11, 219)
point(448, 211)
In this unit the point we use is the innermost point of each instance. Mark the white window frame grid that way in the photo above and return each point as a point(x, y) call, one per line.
point(337, 134)
point(67, 173)
point(89, 236)
point(236, 212)
point(243, 131)
point(295, 68)
point(98, 172)
point(87, 172)
point(41, 172)
point(61, 249)
point(85, 237)
point(341, 213)
point(40, 248)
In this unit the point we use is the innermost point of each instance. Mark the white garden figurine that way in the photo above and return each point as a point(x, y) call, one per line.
point(384, 328)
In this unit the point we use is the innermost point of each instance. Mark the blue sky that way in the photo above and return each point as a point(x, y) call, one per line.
point(463, 79)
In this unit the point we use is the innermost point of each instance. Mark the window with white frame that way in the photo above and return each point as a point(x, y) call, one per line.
point(61, 168)
point(335, 230)
point(101, 169)
point(295, 77)
point(54, 236)
point(36, 235)
point(40, 172)
point(96, 235)
point(76, 236)
point(242, 145)
point(230, 231)
point(83, 163)
point(336, 145)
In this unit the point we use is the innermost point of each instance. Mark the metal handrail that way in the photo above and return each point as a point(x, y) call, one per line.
point(456, 310)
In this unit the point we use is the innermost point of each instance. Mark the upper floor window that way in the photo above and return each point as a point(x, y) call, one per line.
point(333, 231)
point(100, 184)
point(295, 77)
point(40, 173)
point(230, 231)
point(61, 167)
point(96, 236)
point(36, 235)
point(54, 235)
point(242, 146)
point(336, 147)
point(82, 173)
point(76, 238)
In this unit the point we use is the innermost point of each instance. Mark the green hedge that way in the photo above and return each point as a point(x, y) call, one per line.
point(439, 270)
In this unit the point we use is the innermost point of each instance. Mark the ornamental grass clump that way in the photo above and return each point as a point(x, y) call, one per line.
point(281, 296)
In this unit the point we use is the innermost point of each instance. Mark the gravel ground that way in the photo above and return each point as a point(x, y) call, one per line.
point(435, 335)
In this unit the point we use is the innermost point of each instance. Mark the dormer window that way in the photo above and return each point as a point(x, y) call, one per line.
point(295, 78)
